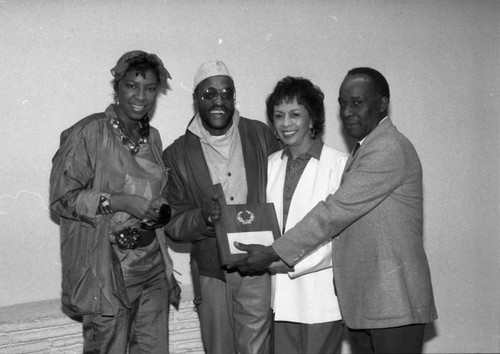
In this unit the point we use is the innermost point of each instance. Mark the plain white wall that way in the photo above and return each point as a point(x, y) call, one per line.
point(441, 59)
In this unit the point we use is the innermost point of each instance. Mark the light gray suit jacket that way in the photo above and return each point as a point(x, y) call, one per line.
point(381, 274)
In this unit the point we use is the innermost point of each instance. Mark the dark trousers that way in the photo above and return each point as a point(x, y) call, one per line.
point(400, 340)
point(298, 338)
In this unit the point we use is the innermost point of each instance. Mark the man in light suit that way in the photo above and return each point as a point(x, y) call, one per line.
point(381, 274)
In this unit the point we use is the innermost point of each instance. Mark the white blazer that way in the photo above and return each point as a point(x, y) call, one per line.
point(306, 295)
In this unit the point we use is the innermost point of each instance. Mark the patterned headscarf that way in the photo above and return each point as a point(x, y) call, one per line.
point(124, 62)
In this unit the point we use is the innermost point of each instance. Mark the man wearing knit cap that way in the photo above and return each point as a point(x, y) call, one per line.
point(222, 158)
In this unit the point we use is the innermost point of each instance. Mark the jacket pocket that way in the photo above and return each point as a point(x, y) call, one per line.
point(80, 295)
point(384, 290)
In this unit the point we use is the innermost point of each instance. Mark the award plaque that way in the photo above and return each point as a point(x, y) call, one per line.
point(245, 223)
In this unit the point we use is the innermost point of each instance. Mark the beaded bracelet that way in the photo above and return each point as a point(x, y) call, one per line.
point(104, 205)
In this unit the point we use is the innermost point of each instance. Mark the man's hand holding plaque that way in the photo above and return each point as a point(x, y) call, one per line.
point(211, 210)
point(258, 259)
point(249, 224)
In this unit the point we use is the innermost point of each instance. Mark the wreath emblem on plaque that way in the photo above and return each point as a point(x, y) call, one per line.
point(245, 217)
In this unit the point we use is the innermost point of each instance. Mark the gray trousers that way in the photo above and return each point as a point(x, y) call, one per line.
point(143, 329)
point(235, 315)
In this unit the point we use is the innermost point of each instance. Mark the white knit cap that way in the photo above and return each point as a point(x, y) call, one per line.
point(209, 69)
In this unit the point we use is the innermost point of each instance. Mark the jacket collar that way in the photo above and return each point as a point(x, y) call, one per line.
point(381, 128)
point(253, 170)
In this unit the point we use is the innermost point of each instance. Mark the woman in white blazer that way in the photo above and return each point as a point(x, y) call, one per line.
point(306, 313)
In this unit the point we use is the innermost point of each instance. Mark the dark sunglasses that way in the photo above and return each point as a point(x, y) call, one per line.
point(212, 93)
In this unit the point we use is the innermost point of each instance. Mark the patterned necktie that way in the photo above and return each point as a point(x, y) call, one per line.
point(356, 148)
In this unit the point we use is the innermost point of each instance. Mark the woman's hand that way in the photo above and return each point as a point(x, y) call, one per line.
point(157, 202)
point(138, 206)
point(279, 267)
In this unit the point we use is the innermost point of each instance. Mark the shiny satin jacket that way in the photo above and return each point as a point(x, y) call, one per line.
point(190, 185)
point(382, 277)
point(82, 168)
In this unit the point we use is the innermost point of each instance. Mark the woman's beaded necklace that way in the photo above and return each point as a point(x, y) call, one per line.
point(126, 138)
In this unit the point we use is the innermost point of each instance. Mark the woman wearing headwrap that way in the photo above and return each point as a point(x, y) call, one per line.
point(107, 185)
